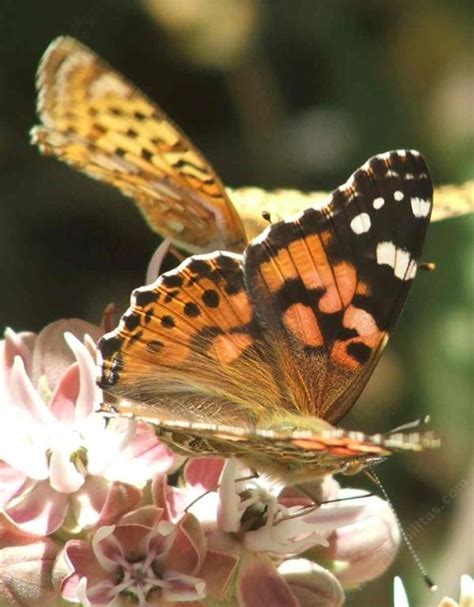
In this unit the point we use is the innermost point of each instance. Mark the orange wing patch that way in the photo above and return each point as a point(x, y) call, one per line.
point(96, 121)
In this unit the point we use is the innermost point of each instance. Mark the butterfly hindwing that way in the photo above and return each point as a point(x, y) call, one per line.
point(189, 343)
point(330, 284)
point(95, 120)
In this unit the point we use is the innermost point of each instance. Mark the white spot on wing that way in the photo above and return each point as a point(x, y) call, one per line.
point(420, 207)
point(402, 261)
point(404, 267)
point(398, 195)
point(361, 223)
point(386, 254)
point(378, 202)
point(412, 268)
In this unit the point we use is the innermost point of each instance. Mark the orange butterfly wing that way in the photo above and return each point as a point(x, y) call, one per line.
point(96, 121)
point(189, 348)
point(330, 284)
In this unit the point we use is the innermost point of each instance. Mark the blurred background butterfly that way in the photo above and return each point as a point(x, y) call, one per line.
point(360, 78)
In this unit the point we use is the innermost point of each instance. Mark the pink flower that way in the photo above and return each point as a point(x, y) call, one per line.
point(59, 460)
point(250, 527)
point(367, 544)
point(142, 556)
point(256, 528)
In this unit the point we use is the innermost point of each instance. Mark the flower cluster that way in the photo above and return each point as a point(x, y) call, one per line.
point(89, 514)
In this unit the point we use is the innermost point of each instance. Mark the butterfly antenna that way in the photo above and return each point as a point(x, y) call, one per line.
point(266, 215)
point(346, 499)
point(426, 578)
point(241, 479)
point(421, 421)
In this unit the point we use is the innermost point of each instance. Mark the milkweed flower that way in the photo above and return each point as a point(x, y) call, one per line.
point(142, 557)
point(60, 462)
point(256, 528)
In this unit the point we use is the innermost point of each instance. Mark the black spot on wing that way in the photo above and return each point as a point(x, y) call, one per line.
point(359, 351)
point(191, 309)
point(131, 321)
point(142, 298)
point(211, 298)
point(172, 280)
point(109, 346)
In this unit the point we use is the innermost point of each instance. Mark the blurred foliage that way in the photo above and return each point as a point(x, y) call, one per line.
point(276, 94)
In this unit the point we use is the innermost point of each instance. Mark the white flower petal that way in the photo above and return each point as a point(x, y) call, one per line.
point(104, 534)
point(89, 396)
point(400, 598)
point(63, 474)
point(81, 593)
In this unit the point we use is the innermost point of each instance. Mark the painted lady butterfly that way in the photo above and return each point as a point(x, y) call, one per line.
point(254, 356)
point(257, 355)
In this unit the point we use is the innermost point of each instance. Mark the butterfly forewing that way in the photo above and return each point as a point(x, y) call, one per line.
point(330, 284)
point(95, 120)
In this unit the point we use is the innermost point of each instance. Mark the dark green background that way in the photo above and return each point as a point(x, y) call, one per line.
point(312, 91)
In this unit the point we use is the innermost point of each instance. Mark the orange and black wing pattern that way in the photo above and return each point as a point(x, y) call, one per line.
point(95, 120)
point(189, 347)
point(329, 285)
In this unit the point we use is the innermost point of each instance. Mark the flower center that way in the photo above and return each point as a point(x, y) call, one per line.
point(139, 578)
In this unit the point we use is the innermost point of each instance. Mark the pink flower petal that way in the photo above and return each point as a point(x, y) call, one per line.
point(75, 563)
point(260, 584)
point(313, 585)
point(41, 511)
point(146, 516)
point(101, 595)
point(51, 355)
point(107, 549)
point(63, 474)
point(187, 552)
point(64, 397)
point(218, 570)
point(11, 481)
point(88, 502)
point(100, 503)
point(180, 587)
point(230, 510)
point(16, 344)
point(26, 396)
point(204, 472)
point(142, 458)
point(367, 544)
point(89, 395)
point(156, 260)
point(173, 501)
point(19, 450)
point(11, 535)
